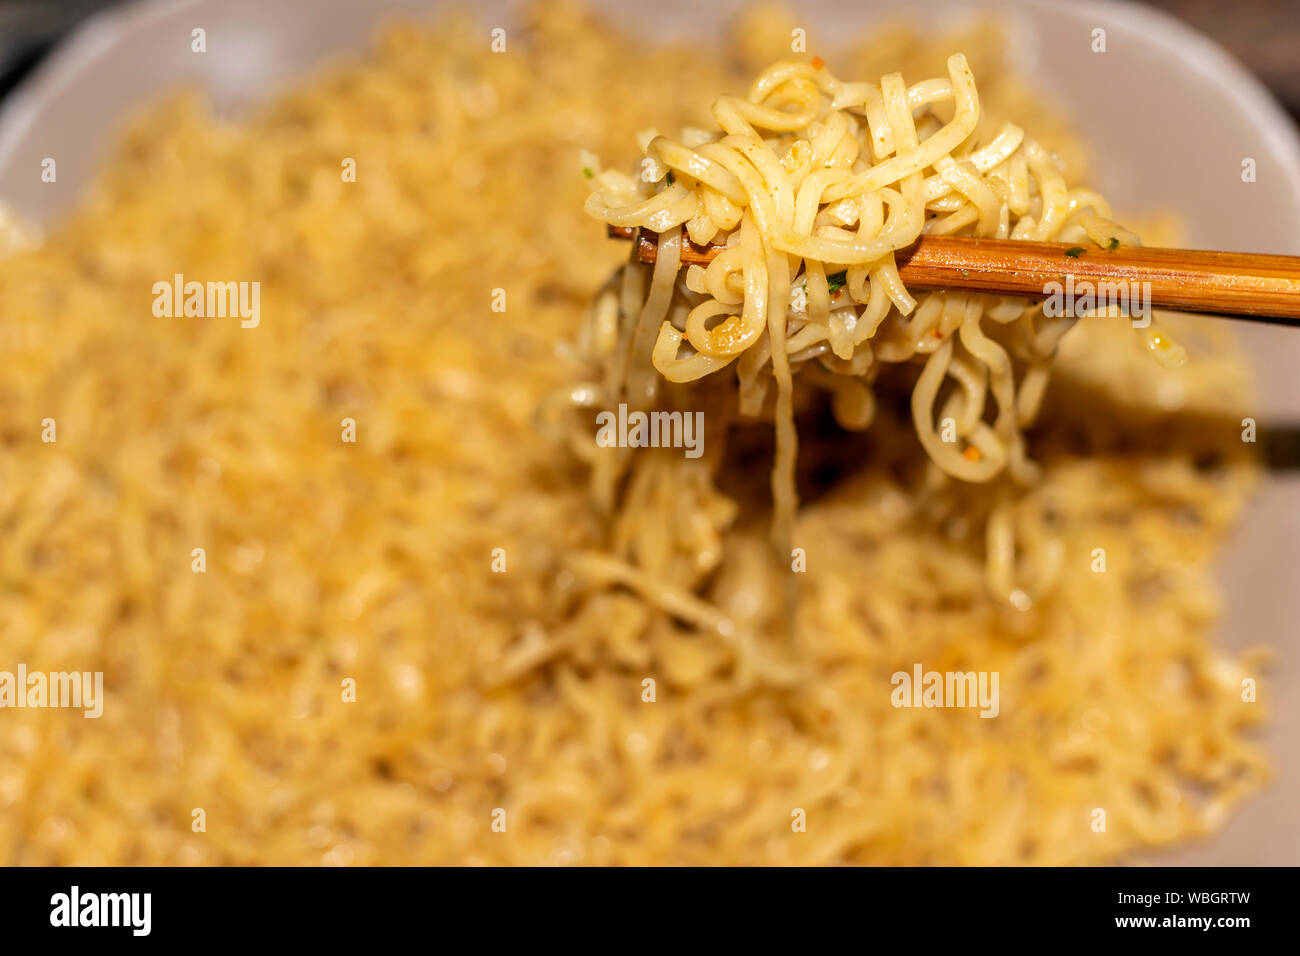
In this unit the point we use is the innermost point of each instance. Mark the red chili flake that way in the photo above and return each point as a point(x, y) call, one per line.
point(818, 63)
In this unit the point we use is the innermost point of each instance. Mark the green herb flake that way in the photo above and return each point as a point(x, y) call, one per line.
point(670, 177)
point(836, 281)
point(1074, 252)
point(588, 173)
point(1113, 243)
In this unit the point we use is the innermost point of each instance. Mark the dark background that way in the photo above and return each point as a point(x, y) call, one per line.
point(1262, 34)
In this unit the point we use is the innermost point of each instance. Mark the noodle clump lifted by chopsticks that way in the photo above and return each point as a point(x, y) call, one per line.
point(811, 185)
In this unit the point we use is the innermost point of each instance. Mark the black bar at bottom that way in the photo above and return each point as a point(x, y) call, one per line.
point(333, 907)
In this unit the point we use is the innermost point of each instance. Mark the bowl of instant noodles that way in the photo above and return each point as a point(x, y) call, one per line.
point(360, 577)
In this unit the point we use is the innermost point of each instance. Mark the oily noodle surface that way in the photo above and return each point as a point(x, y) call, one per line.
point(523, 690)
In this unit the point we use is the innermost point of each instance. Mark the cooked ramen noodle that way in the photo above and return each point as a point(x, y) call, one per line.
point(475, 635)
point(847, 174)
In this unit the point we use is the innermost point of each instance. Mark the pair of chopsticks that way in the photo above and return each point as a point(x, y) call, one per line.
point(1252, 286)
point(1261, 288)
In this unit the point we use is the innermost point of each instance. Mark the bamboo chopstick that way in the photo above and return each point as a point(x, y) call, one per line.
point(1263, 288)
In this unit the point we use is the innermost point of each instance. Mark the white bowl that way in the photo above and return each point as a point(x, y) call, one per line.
point(1169, 114)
